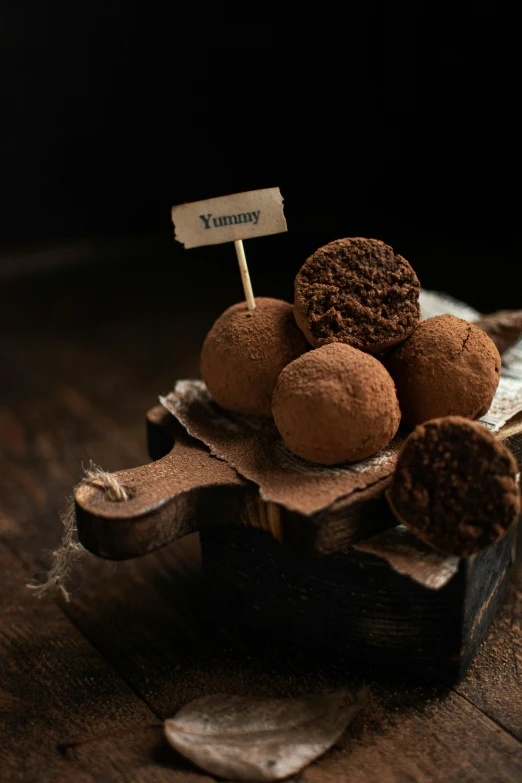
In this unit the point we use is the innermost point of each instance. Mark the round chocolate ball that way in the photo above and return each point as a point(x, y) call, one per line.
point(447, 367)
point(504, 327)
point(245, 351)
point(455, 486)
point(359, 292)
point(335, 404)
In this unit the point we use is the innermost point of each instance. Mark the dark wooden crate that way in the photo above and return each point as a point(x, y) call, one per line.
point(348, 603)
point(286, 577)
point(351, 604)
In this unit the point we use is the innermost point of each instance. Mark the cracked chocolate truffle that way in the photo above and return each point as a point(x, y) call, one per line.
point(447, 367)
point(335, 404)
point(245, 351)
point(455, 486)
point(359, 292)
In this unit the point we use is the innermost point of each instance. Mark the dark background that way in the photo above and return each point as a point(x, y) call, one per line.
point(398, 127)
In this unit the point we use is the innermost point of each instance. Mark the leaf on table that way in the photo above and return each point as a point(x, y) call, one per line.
point(255, 739)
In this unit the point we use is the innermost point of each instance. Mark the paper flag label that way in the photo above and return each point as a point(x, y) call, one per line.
point(255, 213)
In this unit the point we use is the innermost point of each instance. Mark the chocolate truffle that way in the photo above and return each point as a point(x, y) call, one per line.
point(447, 367)
point(357, 291)
point(335, 404)
point(504, 327)
point(455, 486)
point(245, 351)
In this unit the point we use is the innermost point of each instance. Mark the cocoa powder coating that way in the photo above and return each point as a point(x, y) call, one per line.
point(245, 351)
point(447, 367)
point(335, 404)
point(504, 327)
point(359, 292)
point(455, 486)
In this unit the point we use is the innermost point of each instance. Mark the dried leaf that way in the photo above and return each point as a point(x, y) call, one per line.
point(254, 739)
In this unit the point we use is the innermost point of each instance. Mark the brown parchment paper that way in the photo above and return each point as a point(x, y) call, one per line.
point(410, 557)
point(255, 449)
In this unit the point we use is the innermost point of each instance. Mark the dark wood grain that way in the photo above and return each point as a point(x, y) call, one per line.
point(432, 739)
point(137, 640)
point(137, 755)
point(494, 683)
point(53, 683)
point(353, 604)
point(405, 729)
point(56, 413)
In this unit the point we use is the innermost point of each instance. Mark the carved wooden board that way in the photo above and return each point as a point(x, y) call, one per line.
point(170, 492)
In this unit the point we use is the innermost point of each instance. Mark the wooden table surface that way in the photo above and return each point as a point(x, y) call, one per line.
point(84, 686)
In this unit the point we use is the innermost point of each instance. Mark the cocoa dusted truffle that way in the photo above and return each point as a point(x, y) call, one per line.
point(359, 292)
point(447, 367)
point(504, 327)
point(455, 486)
point(245, 351)
point(335, 404)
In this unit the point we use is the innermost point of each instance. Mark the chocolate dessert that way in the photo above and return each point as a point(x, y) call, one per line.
point(504, 327)
point(447, 367)
point(245, 351)
point(359, 292)
point(335, 404)
point(455, 486)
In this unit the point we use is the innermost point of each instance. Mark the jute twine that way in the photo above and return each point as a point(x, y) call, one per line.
point(70, 549)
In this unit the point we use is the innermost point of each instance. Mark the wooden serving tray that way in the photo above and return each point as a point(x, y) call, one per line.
point(346, 579)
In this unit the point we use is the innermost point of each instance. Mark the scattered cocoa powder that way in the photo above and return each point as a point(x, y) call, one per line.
point(447, 367)
point(335, 404)
point(245, 351)
point(357, 291)
point(455, 486)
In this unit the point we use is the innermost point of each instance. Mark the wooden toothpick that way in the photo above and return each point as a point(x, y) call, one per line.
point(245, 276)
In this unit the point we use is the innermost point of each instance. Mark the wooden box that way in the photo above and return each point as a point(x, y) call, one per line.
point(349, 584)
